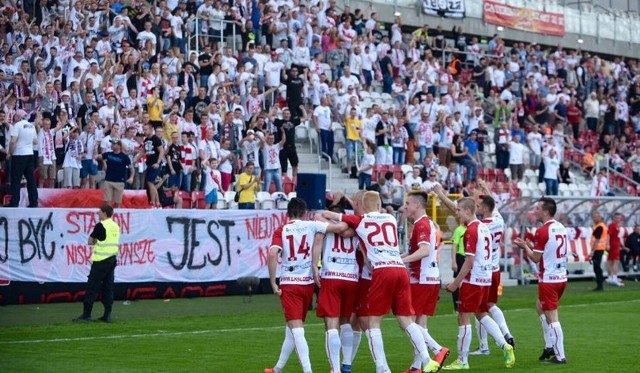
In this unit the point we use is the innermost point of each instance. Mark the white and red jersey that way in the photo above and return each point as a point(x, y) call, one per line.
point(295, 240)
point(254, 105)
point(339, 258)
point(477, 242)
point(497, 228)
point(425, 270)
point(551, 241)
point(378, 238)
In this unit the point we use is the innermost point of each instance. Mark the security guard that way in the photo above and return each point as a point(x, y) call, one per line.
point(104, 238)
point(599, 240)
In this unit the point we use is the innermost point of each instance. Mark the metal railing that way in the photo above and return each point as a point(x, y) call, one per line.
point(572, 212)
point(198, 33)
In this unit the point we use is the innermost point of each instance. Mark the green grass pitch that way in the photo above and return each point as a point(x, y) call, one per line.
point(225, 334)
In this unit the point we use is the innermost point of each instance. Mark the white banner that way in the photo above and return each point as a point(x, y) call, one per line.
point(50, 245)
point(444, 8)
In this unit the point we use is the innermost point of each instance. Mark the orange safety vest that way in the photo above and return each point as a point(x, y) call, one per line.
point(602, 242)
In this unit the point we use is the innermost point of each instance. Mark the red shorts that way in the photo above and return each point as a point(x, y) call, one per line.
point(493, 291)
point(549, 294)
point(424, 298)
point(614, 254)
point(390, 290)
point(473, 298)
point(295, 300)
point(361, 307)
point(337, 298)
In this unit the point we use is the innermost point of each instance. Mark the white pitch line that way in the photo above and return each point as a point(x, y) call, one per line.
point(195, 332)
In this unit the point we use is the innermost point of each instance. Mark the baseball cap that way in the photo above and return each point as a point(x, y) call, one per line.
point(116, 141)
point(66, 93)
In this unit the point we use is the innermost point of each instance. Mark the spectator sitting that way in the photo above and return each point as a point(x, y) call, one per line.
point(565, 177)
point(588, 161)
point(167, 196)
point(452, 181)
point(412, 181)
point(600, 185)
point(430, 182)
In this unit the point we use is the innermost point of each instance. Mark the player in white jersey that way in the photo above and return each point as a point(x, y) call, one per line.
point(494, 221)
point(474, 282)
point(295, 289)
point(549, 249)
point(424, 274)
point(338, 283)
point(390, 288)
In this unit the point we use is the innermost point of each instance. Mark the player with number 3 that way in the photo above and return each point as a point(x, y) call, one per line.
point(474, 282)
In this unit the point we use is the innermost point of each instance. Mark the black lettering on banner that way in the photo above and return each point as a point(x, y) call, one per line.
point(191, 242)
point(4, 226)
point(226, 224)
point(32, 238)
point(185, 230)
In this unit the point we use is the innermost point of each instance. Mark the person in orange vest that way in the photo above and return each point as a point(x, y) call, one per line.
point(599, 241)
point(615, 243)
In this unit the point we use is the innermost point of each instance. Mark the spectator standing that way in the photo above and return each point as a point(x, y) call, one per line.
point(271, 153)
point(322, 123)
point(516, 158)
point(366, 165)
point(24, 138)
point(116, 165)
point(154, 150)
point(551, 167)
point(248, 185)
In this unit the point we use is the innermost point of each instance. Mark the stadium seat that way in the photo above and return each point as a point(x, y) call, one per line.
point(406, 169)
point(264, 201)
point(291, 195)
point(280, 199)
point(222, 203)
point(198, 199)
point(6, 200)
point(507, 174)
point(229, 196)
point(288, 186)
point(397, 172)
point(187, 202)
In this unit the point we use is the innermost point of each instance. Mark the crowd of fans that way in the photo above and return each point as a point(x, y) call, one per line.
point(90, 74)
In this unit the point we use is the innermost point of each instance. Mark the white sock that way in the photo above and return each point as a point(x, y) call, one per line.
point(493, 330)
point(376, 346)
point(417, 360)
point(302, 348)
point(482, 335)
point(464, 341)
point(287, 349)
point(417, 339)
point(333, 349)
point(431, 343)
point(346, 340)
point(546, 330)
point(357, 337)
point(498, 317)
point(558, 337)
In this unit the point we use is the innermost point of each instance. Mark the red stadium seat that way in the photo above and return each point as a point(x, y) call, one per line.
point(198, 199)
point(187, 202)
